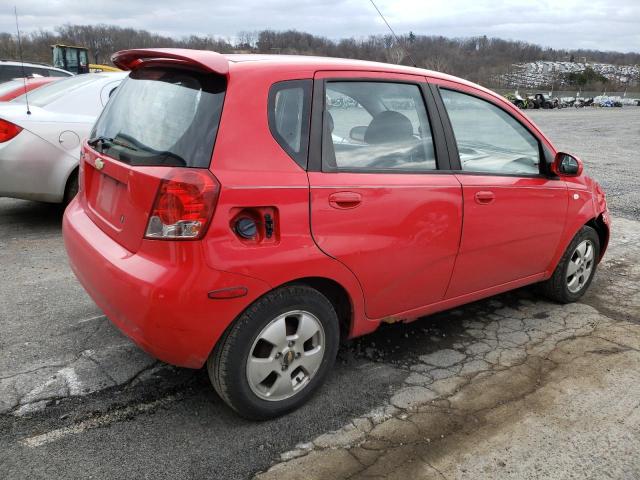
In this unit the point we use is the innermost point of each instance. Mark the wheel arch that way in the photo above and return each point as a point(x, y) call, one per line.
point(337, 295)
point(335, 292)
point(602, 229)
point(596, 222)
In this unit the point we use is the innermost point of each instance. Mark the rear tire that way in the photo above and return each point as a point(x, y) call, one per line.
point(264, 365)
point(576, 268)
point(71, 189)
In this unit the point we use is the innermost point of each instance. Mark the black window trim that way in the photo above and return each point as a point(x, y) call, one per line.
point(315, 163)
point(301, 157)
point(454, 156)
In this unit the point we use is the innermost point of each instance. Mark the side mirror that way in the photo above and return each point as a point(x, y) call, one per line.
point(566, 165)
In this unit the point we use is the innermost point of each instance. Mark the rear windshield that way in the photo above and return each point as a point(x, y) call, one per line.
point(162, 116)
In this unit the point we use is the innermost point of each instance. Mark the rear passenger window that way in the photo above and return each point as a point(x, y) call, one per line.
point(489, 139)
point(289, 110)
point(376, 126)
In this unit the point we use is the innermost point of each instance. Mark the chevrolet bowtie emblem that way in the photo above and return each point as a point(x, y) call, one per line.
point(99, 164)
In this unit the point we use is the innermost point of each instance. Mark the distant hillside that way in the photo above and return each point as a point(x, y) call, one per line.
point(579, 75)
point(479, 59)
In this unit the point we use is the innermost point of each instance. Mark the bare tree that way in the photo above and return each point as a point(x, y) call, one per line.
point(481, 59)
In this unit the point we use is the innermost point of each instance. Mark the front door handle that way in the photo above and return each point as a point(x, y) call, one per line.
point(345, 200)
point(485, 197)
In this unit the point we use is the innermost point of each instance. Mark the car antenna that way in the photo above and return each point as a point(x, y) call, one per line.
point(394, 34)
point(24, 78)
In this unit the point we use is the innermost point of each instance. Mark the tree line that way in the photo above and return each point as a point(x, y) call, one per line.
point(587, 78)
point(479, 59)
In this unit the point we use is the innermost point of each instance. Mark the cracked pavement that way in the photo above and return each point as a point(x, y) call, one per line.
point(508, 387)
point(523, 380)
point(55, 343)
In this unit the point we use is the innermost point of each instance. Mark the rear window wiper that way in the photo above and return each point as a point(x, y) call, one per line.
point(99, 140)
point(108, 141)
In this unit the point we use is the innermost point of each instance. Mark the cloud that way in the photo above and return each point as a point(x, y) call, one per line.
point(597, 24)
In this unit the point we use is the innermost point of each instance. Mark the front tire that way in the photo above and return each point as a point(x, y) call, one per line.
point(277, 353)
point(576, 268)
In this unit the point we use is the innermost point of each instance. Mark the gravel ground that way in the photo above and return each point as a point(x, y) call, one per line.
point(78, 399)
point(608, 141)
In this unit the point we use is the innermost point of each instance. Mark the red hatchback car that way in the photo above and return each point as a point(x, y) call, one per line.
point(249, 211)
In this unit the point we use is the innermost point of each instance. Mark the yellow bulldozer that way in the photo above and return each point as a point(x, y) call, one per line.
point(76, 60)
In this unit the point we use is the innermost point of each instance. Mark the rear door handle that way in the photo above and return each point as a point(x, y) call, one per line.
point(485, 197)
point(345, 200)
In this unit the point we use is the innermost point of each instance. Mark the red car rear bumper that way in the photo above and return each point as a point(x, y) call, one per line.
point(157, 296)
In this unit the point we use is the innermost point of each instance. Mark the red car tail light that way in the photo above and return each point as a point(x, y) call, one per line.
point(184, 205)
point(8, 130)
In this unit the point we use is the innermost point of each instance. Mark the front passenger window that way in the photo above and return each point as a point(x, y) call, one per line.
point(489, 139)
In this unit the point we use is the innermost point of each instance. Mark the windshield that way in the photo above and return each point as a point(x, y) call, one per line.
point(162, 116)
point(43, 96)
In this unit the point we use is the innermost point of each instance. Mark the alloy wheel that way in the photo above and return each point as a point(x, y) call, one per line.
point(580, 266)
point(286, 355)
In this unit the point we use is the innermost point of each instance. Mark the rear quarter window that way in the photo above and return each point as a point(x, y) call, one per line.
point(289, 116)
point(162, 116)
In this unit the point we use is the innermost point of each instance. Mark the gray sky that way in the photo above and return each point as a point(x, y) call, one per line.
point(594, 24)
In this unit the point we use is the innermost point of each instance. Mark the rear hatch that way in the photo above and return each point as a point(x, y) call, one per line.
point(160, 126)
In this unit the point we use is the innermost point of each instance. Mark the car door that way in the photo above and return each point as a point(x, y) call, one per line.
point(382, 200)
point(514, 213)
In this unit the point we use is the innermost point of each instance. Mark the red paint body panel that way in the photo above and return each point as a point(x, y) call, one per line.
point(416, 313)
point(30, 84)
point(514, 236)
point(401, 241)
point(262, 175)
point(157, 296)
point(586, 202)
point(118, 198)
point(400, 245)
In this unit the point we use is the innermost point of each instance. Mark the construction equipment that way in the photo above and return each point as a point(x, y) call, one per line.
point(76, 60)
point(71, 59)
point(519, 101)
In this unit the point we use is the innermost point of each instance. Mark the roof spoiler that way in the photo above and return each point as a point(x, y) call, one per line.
point(204, 59)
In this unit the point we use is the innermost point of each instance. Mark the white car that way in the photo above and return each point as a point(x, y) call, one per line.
point(10, 70)
point(40, 147)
